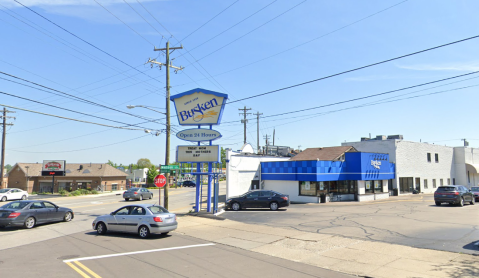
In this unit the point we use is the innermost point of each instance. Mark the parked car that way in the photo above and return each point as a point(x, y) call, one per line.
point(475, 191)
point(454, 194)
point(137, 193)
point(143, 219)
point(30, 213)
point(189, 184)
point(8, 194)
point(258, 199)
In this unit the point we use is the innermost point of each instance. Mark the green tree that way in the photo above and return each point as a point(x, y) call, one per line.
point(151, 174)
point(223, 157)
point(144, 163)
point(8, 167)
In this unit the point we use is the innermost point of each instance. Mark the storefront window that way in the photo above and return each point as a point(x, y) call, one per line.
point(378, 186)
point(369, 187)
point(307, 188)
point(343, 187)
point(352, 187)
point(321, 186)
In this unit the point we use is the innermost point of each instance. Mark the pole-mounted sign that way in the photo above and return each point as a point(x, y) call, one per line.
point(53, 168)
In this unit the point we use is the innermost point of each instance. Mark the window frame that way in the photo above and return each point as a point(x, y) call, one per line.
point(436, 157)
point(428, 157)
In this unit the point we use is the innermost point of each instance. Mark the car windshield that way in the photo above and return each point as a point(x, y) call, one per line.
point(15, 205)
point(133, 189)
point(446, 188)
point(4, 190)
point(475, 189)
point(157, 209)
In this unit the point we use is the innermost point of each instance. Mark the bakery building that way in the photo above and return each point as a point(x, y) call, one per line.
point(95, 176)
point(316, 175)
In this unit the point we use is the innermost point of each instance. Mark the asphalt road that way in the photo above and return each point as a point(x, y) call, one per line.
point(72, 249)
point(412, 220)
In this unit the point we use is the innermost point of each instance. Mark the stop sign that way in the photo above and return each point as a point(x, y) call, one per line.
point(160, 180)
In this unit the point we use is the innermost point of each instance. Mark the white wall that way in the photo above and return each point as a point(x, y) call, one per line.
point(411, 160)
point(138, 175)
point(290, 188)
point(241, 169)
point(462, 156)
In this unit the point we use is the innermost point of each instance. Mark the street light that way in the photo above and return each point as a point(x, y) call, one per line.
point(146, 107)
point(167, 152)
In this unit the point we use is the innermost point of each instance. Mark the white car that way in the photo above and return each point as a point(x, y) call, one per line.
point(8, 194)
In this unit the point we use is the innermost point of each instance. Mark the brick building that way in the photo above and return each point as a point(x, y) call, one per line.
point(97, 176)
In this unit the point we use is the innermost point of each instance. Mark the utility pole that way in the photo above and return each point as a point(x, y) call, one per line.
point(274, 131)
point(4, 134)
point(267, 142)
point(168, 65)
point(257, 128)
point(245, 120)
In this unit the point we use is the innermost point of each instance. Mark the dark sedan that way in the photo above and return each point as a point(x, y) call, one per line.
point(454, 195)
point(189, 184)
point(32, 212)
point(258, 199)
point(137, 193)
point(475, 191)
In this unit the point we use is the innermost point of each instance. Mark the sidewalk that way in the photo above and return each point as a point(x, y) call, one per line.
point(334, 252)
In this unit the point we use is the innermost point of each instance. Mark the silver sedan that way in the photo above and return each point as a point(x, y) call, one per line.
point(137, 193)
point(143, 219)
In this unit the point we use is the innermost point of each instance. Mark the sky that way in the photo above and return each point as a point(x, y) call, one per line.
point(86, 60)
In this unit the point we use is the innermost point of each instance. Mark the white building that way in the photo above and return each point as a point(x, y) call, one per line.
point(424, 166)
point(138, 175)
point(243, 170)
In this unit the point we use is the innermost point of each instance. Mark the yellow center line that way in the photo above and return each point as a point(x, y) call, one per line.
point(83, 274)
point(87, 269)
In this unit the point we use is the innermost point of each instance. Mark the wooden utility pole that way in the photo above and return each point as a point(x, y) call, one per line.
point(4, 134)
point(257, 128)
point(244, 120)
point(168, 65)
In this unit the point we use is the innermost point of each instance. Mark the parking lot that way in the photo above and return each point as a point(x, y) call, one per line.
point(412, 220)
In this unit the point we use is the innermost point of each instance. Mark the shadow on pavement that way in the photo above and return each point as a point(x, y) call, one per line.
point(127, 235)
point(472, 246)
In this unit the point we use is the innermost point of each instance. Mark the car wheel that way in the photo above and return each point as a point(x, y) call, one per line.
point(235, 206)
point(461, 202)
point(143, 231)
point(473, 201)
point(127, 199)
point(141, 197)
point(29, 223)
point(24, 197)
point(4, 198)
point(101, 228)
point(68, 217)
point(438, 203)
point(273, 206)
point(151, 196)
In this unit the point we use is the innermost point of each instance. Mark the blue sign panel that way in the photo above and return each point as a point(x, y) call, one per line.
point(198, 134)
point(199, 107)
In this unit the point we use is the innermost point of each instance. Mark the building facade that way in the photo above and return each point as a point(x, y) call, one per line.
point(423, 166)
point(95, 176)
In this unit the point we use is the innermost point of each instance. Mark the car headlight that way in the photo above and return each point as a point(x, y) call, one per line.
point(229, 200)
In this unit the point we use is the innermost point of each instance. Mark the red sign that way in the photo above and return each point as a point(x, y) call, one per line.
point(160, 181)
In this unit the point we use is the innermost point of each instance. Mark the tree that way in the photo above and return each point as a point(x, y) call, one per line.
point(223, 157)
point(151, 174)
point(144, 163)
point(8, 167)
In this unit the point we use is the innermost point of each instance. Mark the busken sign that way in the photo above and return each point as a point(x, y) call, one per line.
point(199, 107)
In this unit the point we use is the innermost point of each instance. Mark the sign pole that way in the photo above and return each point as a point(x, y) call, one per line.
point(159, 189)
point(53, 183)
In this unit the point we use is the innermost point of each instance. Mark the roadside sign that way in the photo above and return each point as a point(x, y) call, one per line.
point(169, 167)
point(160, 181)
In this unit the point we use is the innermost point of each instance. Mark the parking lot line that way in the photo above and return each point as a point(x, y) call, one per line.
point(83, 274)
point(136, 252)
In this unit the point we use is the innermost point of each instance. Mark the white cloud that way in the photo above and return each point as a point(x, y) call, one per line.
point(471, 66)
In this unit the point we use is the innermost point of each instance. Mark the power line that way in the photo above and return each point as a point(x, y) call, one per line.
point(242, 36)
point(79, 150)
point(304, 43)
point(356, 69)
point(208, 21)
point(90, 44)
point(69, 95)
point(70, 119)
